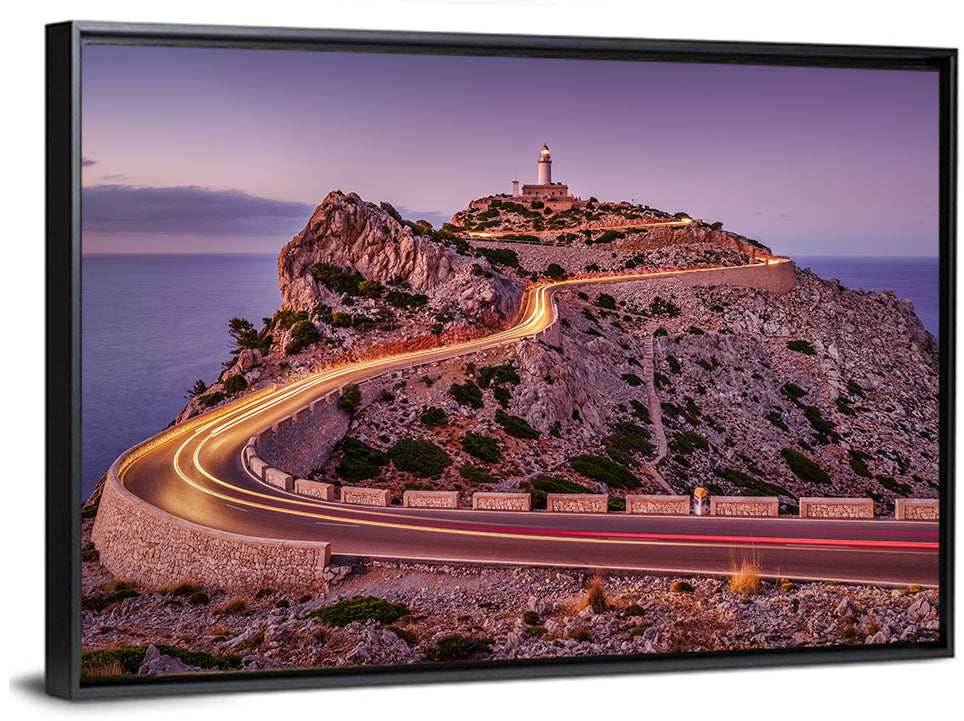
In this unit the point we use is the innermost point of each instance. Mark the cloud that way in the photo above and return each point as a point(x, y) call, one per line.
point(87, 162)
point(187, 210)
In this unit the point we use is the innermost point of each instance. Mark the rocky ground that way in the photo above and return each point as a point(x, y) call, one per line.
point(454, 613)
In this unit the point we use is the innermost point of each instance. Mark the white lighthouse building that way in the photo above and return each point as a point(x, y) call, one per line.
point(545, 167)
point(545, 189)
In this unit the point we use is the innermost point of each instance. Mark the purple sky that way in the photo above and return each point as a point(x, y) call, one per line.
point(214, 150)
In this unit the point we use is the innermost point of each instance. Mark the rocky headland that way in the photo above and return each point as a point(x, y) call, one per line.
point(643, 386)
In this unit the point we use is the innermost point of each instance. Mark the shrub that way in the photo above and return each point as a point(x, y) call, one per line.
point(197, 389)
point(534, 631)
point(476, 475)
point(212, 399)
point(681, 587)
point(361, 609)
point(420, 458)
point(531, 618)
point(633, 609)
point(340, 319)
point(336, 279)
point(433, 417)
point(633, 379)
point(360, 461)
point(500, 256)
point(627, 438)
point(498, 375)
point(350, 399)
point(556, 272)
point(640, 411)
point(454, 647)
point(604, 470)
point(801, 346)
point(803, 467)
point(89, 553)
point(481, 447)
point(604, 300)
point(235, 384)
point(198, 598)
point(467, 394)
point(401, 299)
point(776, 419)
point(544, 485)
point(515, 426)
point(858, 464)
point(370, 288)
point(793, 391)
point(128, 659)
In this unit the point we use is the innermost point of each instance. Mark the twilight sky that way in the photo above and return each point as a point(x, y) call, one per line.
point(215, 150)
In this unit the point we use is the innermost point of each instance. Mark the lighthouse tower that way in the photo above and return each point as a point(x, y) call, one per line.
point(545, 167)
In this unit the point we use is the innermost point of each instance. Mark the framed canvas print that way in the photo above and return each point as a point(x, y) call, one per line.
point(347, 384)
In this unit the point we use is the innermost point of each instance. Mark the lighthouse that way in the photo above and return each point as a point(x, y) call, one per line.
point(545, 167)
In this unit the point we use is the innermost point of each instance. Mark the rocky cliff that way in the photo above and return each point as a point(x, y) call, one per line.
point(346, 231)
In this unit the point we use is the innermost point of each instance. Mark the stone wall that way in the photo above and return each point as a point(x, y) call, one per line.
point(278, 479)
point(836, 508)
point(577, 503)
point(304, 441)
point(430, 499)
point(358, 496)
point(315, 489)
point(744, 506)
point(484, 501)
point(145, 545)
point(778, 278)
point(917, 509)
point(658, 505)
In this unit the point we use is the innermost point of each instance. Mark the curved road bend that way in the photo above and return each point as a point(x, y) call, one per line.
point(199, 476)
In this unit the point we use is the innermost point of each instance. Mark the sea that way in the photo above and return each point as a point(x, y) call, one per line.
point(154, 324)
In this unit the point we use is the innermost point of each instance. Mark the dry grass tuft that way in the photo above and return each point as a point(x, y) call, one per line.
point(596, 595)
point(237, 606)
point(102, 670)
point(745, 577)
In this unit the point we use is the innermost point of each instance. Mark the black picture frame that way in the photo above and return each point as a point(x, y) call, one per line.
point(63, 334)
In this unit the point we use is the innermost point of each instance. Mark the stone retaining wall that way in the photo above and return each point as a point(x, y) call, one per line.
point(778, 278)
point(577, 503)
point(491, 501)
point(304, 440)
point(658, 505)
point(917, 509)
point(144, 545)
point(315, 489)
point(836, 508)
point(430, 499)
point(744, 506)
point(279, 479)
point(358, 496)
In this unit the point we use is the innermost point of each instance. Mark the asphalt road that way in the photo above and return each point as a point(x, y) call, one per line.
point(199, 476)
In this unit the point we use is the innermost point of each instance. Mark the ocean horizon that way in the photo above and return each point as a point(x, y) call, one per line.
point(155, 323)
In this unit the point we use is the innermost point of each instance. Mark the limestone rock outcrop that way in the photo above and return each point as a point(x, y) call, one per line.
point(349, 232)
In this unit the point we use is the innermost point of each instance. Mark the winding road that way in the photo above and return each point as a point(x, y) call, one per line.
point(198, 475)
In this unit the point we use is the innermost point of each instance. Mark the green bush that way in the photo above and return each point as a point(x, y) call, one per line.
point(751, 486)
point(467, 394)
point(793, 391)
point(498, 375)
point(776, 419)
point(858, 464)
point(336, 279)
point(131, 658)
point(626, 439)
point(350, 398)
point(804, 468)
point(401, 299)
point(604, 300)
point(640, 411)
point(500, 256)
point(515, 426)
point(361, 609)
point(556, 272)
point(371, 288)
point(420, 458)
point(801, 346)
point(360, 461)
point(633, 379)
point(540, 488)
point(482, 447)
point(454, 647)
point(235, 384)
point(212, 399)
point(433, 417)
point(340, 319)
point(604, 470)
point(681, 587)
point(474, 474)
